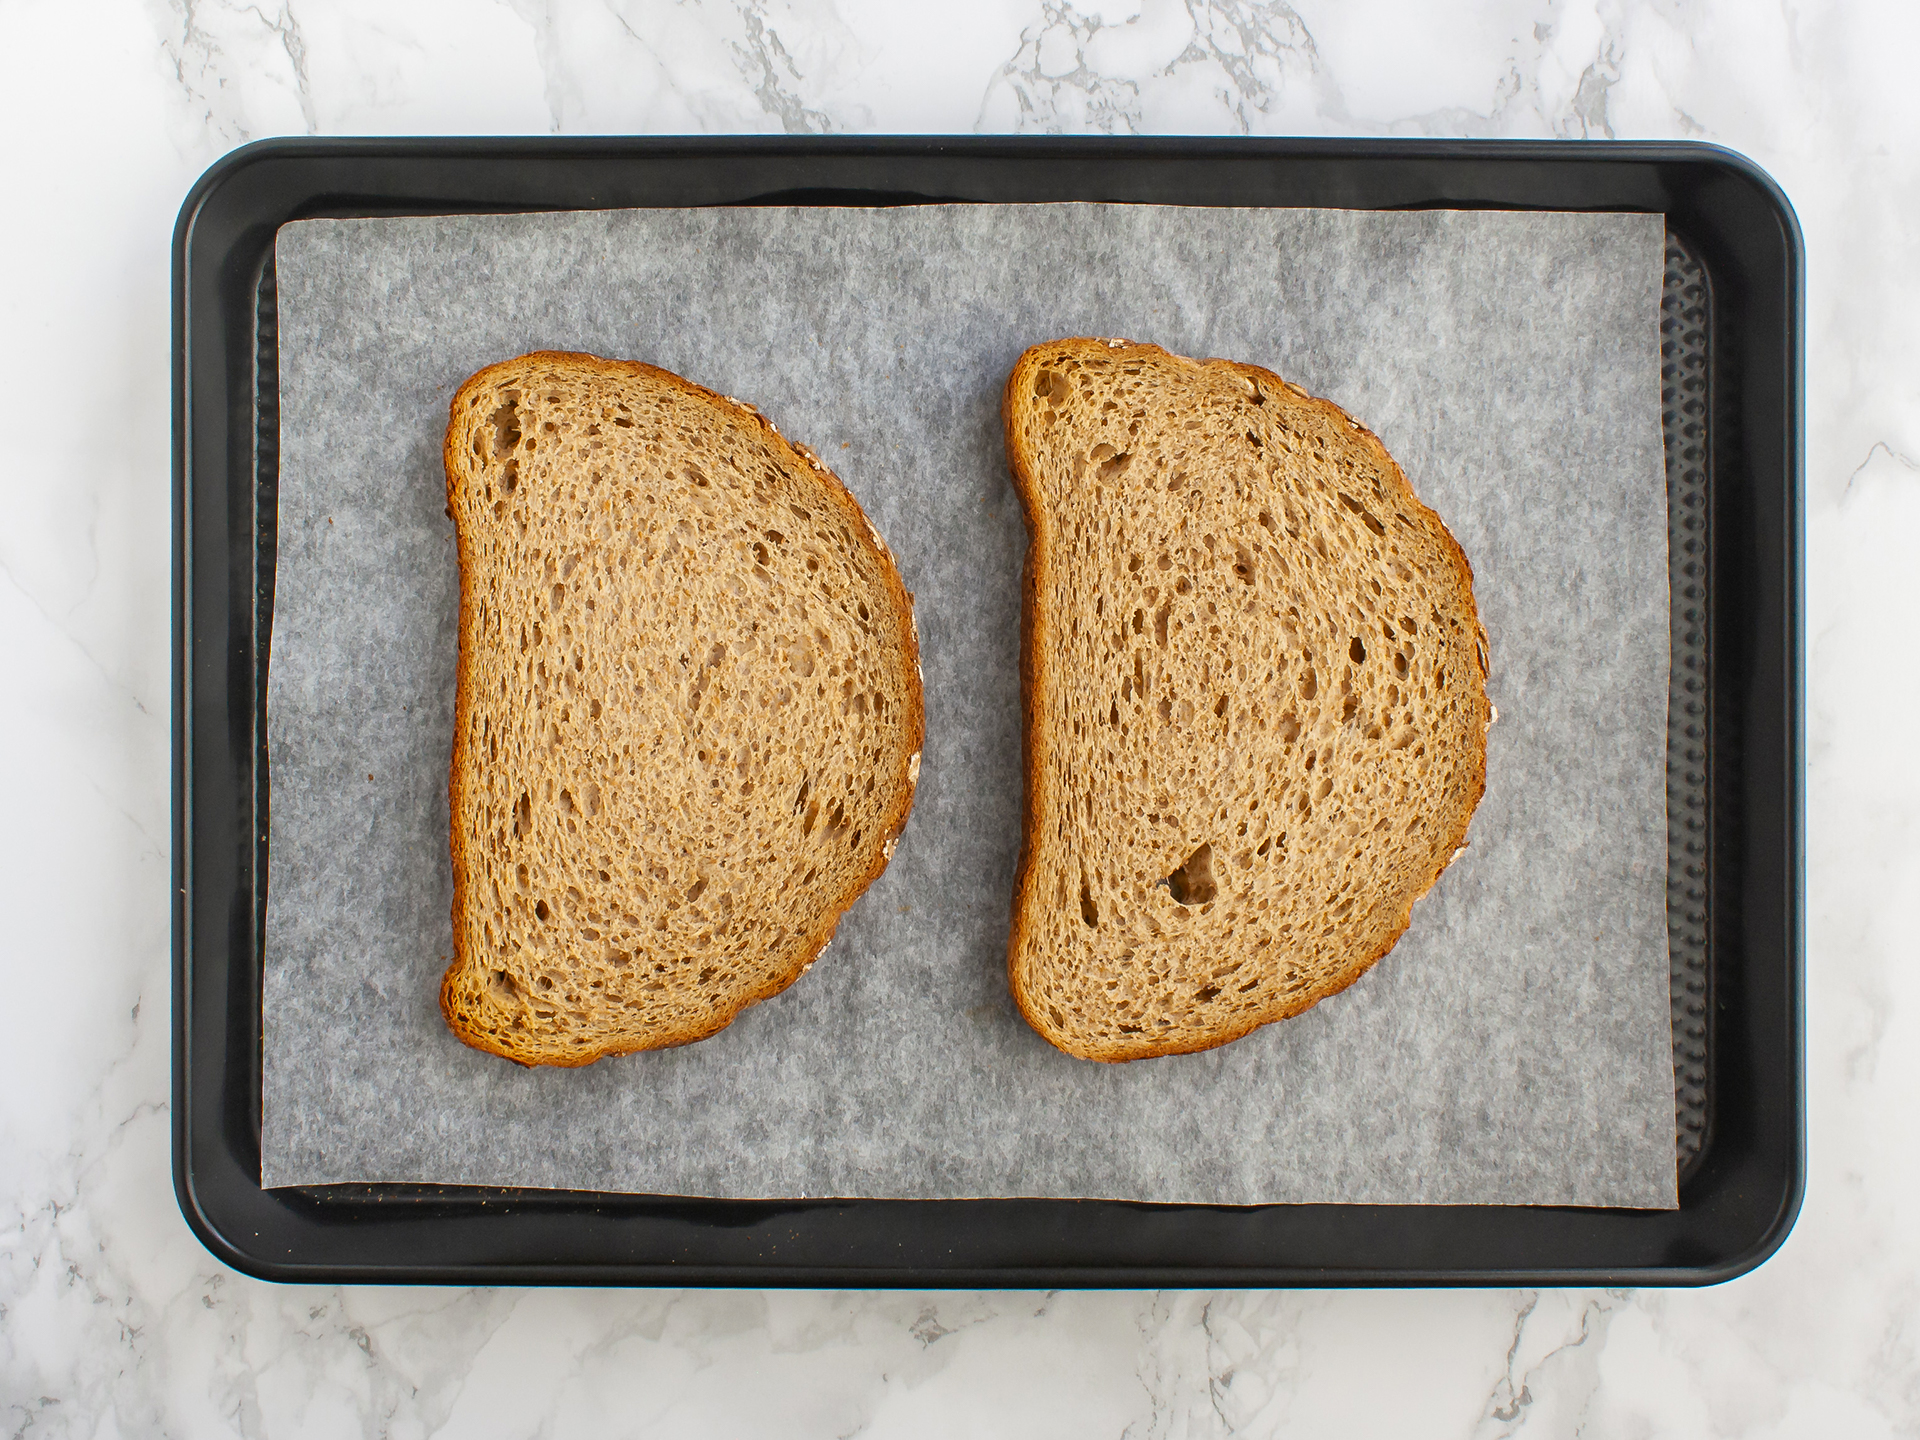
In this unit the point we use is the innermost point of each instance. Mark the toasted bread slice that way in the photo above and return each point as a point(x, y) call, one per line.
point(1254, 692)
point(689, 717)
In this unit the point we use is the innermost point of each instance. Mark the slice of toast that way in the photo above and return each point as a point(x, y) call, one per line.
point(689, 718)
point(1254, 694)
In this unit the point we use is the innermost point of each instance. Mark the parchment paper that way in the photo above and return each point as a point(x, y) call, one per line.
point(1513, 1048)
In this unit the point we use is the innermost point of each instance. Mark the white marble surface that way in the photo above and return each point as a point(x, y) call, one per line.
point(114, 1322)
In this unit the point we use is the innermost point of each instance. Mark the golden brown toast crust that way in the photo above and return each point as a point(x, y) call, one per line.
point(1042, 806)
point(475, 1016)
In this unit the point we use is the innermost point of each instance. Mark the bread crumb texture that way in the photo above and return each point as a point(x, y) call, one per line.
point(689, 712)
point(1254, 694)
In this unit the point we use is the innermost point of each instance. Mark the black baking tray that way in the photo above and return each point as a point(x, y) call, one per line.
point(1732, 343)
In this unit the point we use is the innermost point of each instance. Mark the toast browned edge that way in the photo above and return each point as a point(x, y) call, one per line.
point(909, 639)
point(1015, 399)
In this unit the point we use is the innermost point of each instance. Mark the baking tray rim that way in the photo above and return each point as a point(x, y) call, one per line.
point(221, 1232)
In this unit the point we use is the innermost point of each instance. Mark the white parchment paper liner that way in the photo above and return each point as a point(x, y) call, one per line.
point(1514, 1047)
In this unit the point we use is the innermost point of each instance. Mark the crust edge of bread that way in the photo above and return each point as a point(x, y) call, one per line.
point(895, 822)
point(1015, 404)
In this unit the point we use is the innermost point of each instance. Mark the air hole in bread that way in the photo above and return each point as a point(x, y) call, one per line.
point(1372, 522)
point(1309, 684)
point(506, 423)
point(1358, 651)
point(541, 909)
point(1192, 884)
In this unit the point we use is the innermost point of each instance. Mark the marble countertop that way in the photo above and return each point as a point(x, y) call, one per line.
point(113, 1319)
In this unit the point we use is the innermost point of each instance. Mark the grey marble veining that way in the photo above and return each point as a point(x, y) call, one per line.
point(114, 1321)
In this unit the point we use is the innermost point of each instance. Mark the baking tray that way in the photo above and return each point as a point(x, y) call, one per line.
point(1732, 360)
